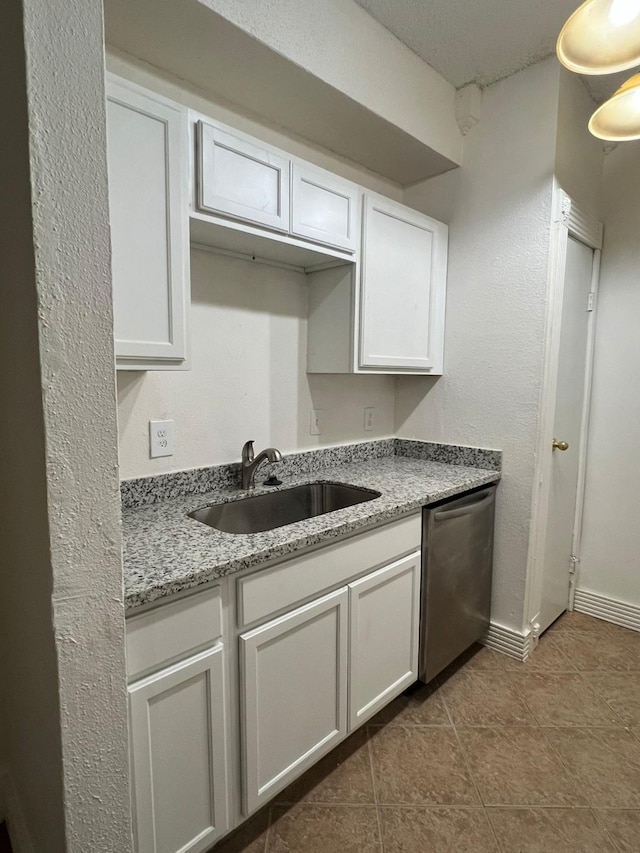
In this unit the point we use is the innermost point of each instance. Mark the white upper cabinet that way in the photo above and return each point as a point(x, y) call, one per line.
point(324, 208)
point(239, 177)
point(403, 282)
point(385, 314)
point(148, 184)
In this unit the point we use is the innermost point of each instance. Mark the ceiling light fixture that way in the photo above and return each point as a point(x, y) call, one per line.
point(600, 37)
point(618, 119)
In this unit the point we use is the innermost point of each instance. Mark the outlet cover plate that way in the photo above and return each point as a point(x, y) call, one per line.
point(161, 438)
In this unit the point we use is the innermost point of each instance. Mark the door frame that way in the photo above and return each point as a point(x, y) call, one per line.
point(568, 220)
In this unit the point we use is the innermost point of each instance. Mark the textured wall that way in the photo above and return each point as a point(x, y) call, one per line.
point(611, 534)
point(28, 670)
point(64, 62)
point(498, 206)
point(579, 157)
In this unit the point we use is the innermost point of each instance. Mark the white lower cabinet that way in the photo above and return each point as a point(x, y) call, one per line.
point(383, 660)
point(219, 727)
point(178, 755)
point(312, 675)
point(293, 694)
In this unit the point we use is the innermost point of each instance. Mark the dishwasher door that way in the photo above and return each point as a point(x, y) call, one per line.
point(457, 561)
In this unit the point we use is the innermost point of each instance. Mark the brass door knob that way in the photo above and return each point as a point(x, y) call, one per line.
point(559, 445)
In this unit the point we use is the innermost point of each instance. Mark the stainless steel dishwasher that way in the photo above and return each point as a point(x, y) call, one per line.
point(457, 560)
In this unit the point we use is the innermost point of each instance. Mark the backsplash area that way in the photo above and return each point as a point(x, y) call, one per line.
point(141, 491)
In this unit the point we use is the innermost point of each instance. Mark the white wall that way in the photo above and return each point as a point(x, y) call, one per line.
point(247, 379)
point(61, 609)
point(336, 40)
point(28, 671)
point(247, 349)
point(579, 158)
point(611, 533)
point(498, 206)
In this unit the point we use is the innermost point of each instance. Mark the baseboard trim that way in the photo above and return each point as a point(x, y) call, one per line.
point(608, 609)
point(515, 644)
point(11, 809)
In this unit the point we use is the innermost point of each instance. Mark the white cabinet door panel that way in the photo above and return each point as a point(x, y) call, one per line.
point(178, 756)
point(404, 261)
point(242, 179)
point(294, 691)
point(384, 613)
point(146, 141)
point(324, 208)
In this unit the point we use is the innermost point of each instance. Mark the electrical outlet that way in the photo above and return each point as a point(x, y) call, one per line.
point(161, 438)
point(369, 418)
point(315, 421)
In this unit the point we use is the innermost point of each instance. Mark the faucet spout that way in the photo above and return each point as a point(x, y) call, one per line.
point(250, 462)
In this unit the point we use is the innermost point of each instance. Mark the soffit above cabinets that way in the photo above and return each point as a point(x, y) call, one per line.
point(198, 46)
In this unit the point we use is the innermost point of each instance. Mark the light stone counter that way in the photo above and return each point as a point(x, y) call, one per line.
point(165, 552)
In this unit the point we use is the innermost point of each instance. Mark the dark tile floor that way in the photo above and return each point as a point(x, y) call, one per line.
point(497, 757)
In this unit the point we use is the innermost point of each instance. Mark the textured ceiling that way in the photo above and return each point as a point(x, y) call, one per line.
point(481, 41)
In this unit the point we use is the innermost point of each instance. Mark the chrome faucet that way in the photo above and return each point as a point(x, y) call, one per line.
point(251, 463)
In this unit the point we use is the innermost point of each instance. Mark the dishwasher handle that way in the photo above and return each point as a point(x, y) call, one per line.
point(479, 502)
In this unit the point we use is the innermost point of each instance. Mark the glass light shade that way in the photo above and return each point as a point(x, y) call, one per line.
point(618, 119)
point(602, 36)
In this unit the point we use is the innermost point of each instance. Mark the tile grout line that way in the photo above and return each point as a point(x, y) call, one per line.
point(374, 785)
point(599, 823)
point(471, 776)
point(601, 695)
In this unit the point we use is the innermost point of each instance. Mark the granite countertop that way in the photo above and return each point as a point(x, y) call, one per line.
point(166, 552)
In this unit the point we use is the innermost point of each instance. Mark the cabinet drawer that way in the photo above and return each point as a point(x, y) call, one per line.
point(266, 592)
point(173, 631)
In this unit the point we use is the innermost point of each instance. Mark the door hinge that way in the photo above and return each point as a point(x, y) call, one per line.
point(573, 564)
point(590, 301)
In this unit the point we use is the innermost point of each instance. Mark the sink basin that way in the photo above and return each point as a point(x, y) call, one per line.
point(275, 509)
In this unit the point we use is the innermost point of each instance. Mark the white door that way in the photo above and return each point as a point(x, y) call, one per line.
point(294, 694)
point(569, 406)
point(383, 655)
point(178, 756)
point(402, 294)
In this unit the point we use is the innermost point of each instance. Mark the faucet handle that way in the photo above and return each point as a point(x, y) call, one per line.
point(247, 451)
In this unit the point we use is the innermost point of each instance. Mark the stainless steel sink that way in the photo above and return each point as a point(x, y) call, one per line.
point(275, 509)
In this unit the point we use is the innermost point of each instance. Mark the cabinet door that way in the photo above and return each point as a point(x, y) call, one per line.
point(178, 756)
point(294, 692)
point(146, 141)
point(241, 178)
point(384, 614)
point(324, 208)
point(402, 296)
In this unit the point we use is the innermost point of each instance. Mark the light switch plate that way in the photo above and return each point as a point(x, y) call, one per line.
point(161, 438)
point(315, 421)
